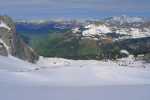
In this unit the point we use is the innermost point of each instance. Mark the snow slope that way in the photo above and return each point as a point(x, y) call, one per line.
point(61, 79)
point(91, 73)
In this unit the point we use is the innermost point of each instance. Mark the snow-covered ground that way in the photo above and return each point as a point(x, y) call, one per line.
point(61, 79)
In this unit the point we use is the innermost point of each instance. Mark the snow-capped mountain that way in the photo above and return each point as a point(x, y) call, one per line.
point(125, 19)
point(125, 27)
point(95, 30)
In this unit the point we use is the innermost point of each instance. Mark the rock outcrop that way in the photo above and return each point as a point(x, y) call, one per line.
point(12, 44)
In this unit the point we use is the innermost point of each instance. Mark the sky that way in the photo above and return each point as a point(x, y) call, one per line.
point(51, 9)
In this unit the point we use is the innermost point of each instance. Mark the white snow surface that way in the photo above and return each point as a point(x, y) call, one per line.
point(61, 79)
point(95, 73)
point(3, 25)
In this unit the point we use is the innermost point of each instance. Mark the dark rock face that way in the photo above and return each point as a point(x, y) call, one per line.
point(16, 45)
point(3, 50)
point(147, 57)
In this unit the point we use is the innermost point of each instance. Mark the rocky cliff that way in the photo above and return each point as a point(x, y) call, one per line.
point(11, 43)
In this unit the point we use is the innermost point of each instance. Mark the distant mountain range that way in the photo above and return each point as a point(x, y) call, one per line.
point(114, 33)
point(74, 39)
point(122, 26)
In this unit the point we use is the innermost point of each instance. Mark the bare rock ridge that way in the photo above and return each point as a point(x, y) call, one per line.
point(12, 44)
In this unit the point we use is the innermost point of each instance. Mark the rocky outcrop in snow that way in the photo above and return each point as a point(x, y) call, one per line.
point(11, 43)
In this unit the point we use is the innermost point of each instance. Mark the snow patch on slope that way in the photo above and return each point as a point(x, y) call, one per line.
point(95, 30)
point(133, 32)
point(3, 25)
point(124, 52)
point(76, 30)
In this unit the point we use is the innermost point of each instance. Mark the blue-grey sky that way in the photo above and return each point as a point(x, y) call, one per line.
point(20, 9)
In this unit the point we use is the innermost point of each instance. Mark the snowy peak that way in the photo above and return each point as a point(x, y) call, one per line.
point(124, 19)
point(122, 27)
point(95, 30)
